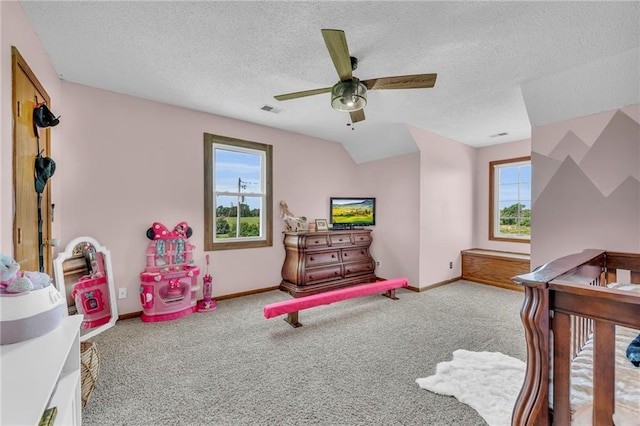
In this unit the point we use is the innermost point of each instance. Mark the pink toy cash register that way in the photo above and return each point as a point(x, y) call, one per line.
point(169, 282)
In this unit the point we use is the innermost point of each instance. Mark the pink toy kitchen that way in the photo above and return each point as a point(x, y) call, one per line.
point(169, 282)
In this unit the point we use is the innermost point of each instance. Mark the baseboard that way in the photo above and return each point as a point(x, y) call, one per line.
point(130, 315)
point(246, 293)
point(435, 285)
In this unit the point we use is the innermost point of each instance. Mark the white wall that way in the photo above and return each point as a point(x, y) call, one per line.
point(485, 155)
point(396, 240)
point(447, 173)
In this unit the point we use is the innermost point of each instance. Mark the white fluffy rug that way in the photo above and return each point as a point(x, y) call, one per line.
point(489, 382)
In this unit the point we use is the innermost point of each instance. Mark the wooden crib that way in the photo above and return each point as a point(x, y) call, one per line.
point(567, 302)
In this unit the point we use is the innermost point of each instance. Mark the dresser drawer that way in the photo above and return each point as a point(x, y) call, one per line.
point(340, 240)
point(362, 239)
point(322, 258)
point(320, 274)
point(355, 254)
point(313, 241)
point(359, 268)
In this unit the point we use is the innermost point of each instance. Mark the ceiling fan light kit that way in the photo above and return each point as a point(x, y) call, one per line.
point(349, 96)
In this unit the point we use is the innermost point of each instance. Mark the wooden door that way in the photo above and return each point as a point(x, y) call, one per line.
point(27, 91)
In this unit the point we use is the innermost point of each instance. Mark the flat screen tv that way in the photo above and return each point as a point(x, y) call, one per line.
point(352, 211)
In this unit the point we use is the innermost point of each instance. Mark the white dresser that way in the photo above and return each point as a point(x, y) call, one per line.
point(40, 373)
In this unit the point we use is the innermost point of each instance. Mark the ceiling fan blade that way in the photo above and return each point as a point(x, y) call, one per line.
point(415, 81)
point(302, 94)
point(357, 115)
point(337, 45)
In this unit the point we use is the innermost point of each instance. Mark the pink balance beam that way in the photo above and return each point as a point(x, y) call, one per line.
point(292, 306)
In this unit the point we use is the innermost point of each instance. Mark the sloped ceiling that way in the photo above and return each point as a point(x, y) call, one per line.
point(231, 58)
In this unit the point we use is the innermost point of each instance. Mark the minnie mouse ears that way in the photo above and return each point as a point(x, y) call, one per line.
point(160, 232)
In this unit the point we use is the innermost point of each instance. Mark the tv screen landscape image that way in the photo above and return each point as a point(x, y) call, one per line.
point(352, 211)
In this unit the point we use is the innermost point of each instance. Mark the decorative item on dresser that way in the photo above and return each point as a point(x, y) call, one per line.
point(321, 261)
point(321, 225)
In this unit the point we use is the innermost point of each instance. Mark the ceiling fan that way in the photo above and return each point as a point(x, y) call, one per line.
point(350, 93)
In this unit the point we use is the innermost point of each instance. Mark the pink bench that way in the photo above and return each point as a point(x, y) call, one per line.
point(293, 306)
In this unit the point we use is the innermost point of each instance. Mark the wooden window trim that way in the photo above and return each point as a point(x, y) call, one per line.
point(492, 236)
point(209, 221)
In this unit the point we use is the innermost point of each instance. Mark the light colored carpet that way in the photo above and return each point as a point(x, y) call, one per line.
point(352, 363)
point(487, 381)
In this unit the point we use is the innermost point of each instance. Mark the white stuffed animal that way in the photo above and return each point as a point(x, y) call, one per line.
point(14, 281)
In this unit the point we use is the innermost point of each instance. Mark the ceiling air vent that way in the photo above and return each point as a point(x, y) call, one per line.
point(269, 108)
point(497, 135)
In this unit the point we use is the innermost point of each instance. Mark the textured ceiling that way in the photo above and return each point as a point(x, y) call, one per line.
point(231, 58)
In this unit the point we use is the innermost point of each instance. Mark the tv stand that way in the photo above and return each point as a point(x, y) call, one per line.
point(316, 262)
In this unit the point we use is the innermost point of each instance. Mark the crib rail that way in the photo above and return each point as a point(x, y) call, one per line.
point(616, 261)
point(581, 327)
point(566, 302)
point(605, 308)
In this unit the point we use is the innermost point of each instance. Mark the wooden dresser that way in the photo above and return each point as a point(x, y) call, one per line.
point(323, 261)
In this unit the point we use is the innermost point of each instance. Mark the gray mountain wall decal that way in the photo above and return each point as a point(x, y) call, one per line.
point(615, 155)
point(572, 214)
point(544, 168)
point(570, 145)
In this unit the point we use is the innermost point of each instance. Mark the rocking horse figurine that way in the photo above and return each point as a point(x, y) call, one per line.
point(292, 222)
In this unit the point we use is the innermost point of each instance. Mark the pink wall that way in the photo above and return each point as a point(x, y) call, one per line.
point(484, 156)
point(396, 184)
point(447, 173)
point(129, 162)
point(586, 184)
point(124, 162)
point(16, 30)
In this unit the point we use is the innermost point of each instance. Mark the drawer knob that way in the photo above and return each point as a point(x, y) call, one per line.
point(336, 273)
point(346, 254)
point(362, 252)
point(348, 271)
point(317, 241)
point(310, 277)
point(340, 239)
point(312, 258)
point(333, 256)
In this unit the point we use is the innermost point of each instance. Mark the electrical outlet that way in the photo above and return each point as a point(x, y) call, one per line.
point(378, 263)
point(122, 293)
point(450, 265)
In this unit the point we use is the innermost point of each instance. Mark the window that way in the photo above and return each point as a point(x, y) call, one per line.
point(510, 200)
point(237, 193)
